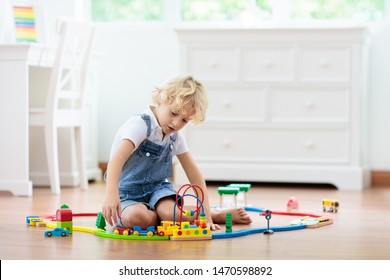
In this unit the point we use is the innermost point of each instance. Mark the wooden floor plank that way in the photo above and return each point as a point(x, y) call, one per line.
point(360, 230)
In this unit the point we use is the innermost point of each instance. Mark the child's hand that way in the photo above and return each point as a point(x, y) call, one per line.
point(214, 226)
point(111, 209)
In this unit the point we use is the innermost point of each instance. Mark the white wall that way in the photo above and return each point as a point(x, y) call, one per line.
point(379, 96)
point(136, 58)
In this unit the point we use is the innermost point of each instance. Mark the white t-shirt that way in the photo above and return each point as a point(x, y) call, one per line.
point(135, 130)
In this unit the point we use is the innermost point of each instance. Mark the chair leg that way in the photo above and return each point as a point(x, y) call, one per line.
point(51, 141)
point(80, 155)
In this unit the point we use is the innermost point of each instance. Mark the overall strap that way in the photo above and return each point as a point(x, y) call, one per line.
point(146, 119)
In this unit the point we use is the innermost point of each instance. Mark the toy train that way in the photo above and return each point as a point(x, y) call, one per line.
point(136, 231)
point(175, 231)
point(330, 205)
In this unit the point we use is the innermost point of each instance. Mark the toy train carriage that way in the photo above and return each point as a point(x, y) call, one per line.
point(34, 221)
point(122, 231)
point(136, 231)
point(190, 232)
point(149, 231)
point(330, 205)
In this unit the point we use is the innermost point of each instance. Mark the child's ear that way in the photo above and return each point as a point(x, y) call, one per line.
point(158, 101)
point(162, 95)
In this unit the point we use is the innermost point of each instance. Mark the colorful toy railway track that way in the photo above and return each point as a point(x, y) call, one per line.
point(171, 230)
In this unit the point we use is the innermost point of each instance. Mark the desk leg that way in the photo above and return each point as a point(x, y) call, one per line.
point(14, 127)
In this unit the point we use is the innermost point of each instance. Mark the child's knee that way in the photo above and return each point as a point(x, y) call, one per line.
point(165, 210)
point(165, 213)
point(139, 217)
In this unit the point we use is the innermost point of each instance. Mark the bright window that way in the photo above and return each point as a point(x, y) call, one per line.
point(223, 10)
point(237, 10)
point(127, 10)
point(360, 10)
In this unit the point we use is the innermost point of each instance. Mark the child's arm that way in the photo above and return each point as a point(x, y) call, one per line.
point(196, 178)
point(111, 205)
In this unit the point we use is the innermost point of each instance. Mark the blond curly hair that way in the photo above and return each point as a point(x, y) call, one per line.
point(179, 91)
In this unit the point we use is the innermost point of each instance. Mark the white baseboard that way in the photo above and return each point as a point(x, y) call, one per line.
point(69, 179)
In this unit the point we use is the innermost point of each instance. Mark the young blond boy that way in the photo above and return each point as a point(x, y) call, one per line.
point(138, 189)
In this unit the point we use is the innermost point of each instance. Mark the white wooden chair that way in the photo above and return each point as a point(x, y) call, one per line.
point(65, 96)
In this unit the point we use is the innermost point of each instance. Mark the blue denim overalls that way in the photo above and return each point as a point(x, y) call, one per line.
point(144, 177)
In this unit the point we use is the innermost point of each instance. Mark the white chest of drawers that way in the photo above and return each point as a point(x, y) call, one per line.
point(285, 104)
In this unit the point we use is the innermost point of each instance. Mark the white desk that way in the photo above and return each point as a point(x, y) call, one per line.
point(15, 60)
point(18, 63)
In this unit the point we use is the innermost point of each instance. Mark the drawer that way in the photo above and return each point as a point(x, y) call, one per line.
point(324, 64)
point(213, 63)
point(268, 64)
point(236, 106)
point(214, 144)
point(309, 105)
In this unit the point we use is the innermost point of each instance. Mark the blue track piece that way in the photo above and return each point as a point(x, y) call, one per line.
point(248, 231)
point(248, 208)
point(253, 209)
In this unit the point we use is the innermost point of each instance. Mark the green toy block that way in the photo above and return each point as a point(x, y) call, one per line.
point(66, 225)
point(232, 189)
point(228, 190)
point(242, 187)
point(229, 222)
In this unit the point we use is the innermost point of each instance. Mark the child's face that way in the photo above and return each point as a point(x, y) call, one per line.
point(171, 120)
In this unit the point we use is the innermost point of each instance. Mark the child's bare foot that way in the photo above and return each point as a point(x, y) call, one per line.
point(239, 216)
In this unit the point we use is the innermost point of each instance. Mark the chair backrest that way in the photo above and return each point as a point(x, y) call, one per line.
point(70, 69)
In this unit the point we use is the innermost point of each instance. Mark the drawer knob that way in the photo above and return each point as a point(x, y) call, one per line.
point(309, 144)
point(268, 64)
point(213, 63)
point(226, 143)
point(227, 103)
point(309, 104)
point(324, 63)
